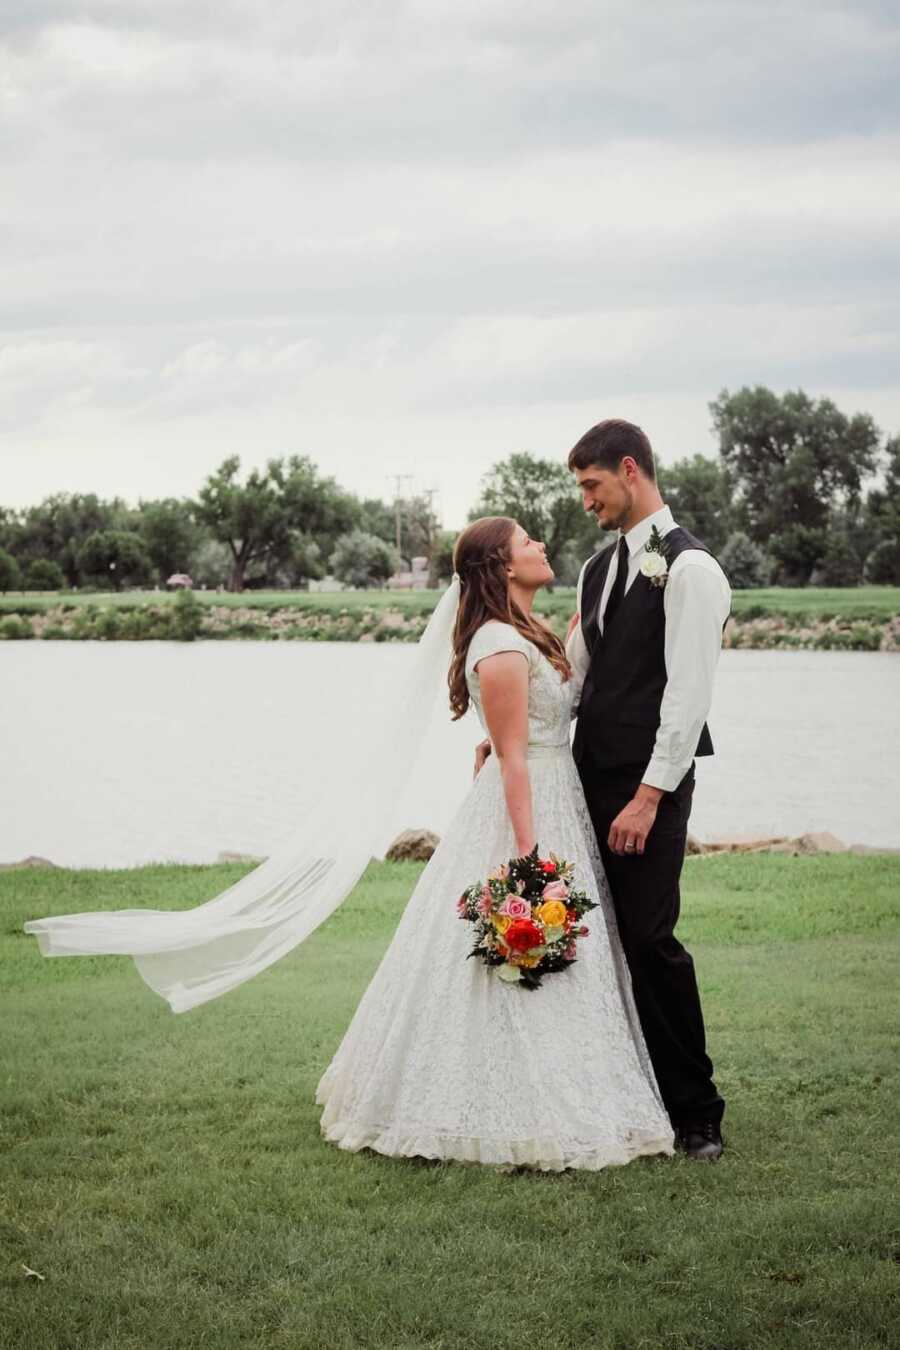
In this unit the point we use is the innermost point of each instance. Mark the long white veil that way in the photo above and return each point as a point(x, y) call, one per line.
point(192, 956)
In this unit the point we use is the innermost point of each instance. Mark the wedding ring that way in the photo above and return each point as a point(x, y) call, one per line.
point(629, 848)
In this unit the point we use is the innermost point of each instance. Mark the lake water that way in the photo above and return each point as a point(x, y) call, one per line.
point(115, 754)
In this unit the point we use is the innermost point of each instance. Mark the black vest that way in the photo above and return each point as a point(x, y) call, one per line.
point(620, 702)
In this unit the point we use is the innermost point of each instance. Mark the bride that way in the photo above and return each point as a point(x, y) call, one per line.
point(442, 1059)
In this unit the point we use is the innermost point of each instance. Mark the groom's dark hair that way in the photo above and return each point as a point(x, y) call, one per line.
point(607, 444)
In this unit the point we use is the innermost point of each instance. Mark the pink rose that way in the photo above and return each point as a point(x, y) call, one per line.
point(556, 890)
point(515, 908)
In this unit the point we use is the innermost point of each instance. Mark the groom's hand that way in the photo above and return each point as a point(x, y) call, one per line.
point(482, 750)
point(628, 832)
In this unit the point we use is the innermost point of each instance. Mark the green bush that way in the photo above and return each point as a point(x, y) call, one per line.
point(248, 629)
point(44, 575)
point(840, 564)
point(361, 559)
point(861, 637)
point(883, 563)
point(745, 563)
point(115, 558)
point(187, 617)
point(14, 629)
point(791, 640)
point(84, 620)
point(140, 624)
point(10, 574)
point(107, 626)
point(866, 637)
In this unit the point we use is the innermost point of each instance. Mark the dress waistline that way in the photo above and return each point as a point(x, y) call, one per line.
point(547, 751)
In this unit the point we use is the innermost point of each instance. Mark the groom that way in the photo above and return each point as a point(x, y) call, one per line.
point(643, 647)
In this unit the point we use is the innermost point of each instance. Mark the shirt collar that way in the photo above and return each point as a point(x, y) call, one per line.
point(639, 534)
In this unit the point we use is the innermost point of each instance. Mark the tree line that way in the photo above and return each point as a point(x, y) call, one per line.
point(280, 526)
point(799, 494)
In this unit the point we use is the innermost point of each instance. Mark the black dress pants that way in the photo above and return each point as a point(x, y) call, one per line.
point(647, 899)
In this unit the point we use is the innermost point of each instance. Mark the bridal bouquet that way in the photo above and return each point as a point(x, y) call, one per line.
point(527, 918)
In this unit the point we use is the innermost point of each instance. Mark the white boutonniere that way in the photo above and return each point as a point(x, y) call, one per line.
point(654, 565)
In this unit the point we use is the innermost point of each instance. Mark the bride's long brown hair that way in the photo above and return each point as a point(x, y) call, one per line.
point(481, 557)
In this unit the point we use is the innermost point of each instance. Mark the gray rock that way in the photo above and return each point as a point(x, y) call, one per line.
point(804, 844)
point(747, 845)
point(822, 842)
point(413, 846)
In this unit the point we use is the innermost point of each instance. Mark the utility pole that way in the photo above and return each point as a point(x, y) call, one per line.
point(399, 478)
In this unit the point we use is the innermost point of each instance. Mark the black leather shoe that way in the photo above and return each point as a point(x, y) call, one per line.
point(700, 1139)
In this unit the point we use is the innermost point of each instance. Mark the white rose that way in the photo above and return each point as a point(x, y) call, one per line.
point(654, 565)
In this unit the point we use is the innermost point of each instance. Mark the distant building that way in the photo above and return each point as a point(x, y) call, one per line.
point(416, 580)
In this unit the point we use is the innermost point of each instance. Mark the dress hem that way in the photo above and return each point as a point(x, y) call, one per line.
point(546, 1155)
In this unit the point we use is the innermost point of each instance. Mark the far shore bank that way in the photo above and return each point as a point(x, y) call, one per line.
point(862, 619)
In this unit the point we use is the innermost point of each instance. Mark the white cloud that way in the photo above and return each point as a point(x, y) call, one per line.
point(417, 236)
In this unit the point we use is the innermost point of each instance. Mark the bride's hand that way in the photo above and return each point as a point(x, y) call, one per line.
point(482, 750)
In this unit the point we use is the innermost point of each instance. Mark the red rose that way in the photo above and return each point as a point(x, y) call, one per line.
point(548, 866)
point(522, 934)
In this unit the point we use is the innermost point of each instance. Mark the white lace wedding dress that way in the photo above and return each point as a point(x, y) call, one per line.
point(444, 1060)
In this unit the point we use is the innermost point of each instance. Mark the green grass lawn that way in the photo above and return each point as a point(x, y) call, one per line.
point(861, 602)
point(167, 1177)
point(410, 602)
point(851, 602)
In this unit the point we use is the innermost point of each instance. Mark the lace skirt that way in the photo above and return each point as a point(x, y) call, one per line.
point(444, 1060)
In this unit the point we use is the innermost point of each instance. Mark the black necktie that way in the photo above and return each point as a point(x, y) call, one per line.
point(618, 589)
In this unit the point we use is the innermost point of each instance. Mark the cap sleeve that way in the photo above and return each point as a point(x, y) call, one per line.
point(493, 637)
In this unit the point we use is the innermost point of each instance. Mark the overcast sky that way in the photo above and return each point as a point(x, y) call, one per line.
point(412, 238)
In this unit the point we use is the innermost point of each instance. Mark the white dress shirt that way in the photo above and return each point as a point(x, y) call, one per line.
point(696, 601)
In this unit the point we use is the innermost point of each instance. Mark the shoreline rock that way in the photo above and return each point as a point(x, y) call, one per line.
point(803, 845)
point(31, 861)
point(413, 846)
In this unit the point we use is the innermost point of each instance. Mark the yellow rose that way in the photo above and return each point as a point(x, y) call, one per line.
point(552, 913)
point(501, 922)
point(527, 961)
